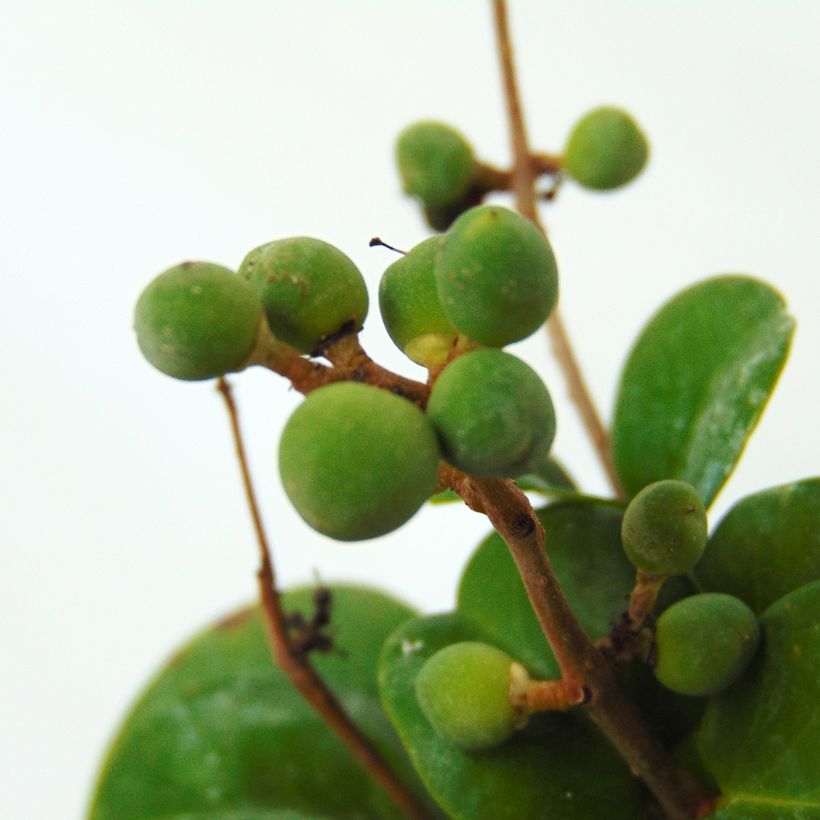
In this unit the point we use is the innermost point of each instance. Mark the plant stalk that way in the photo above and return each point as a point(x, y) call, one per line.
point(524, 174)
point(297, 666)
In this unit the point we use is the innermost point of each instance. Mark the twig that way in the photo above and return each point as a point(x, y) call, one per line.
point(296, 666)
point(525, 172)
point(581, 664)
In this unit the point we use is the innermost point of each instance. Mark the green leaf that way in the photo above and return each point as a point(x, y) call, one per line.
point(760, 739)
point(696, 382)
point(220, 733)
point(583, 542)
point(550, 477)
point(766, 546)
point(558, 767)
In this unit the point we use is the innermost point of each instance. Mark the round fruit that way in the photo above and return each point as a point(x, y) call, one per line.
point(464, 691)
point(704, 643)
point(496, 276)
point(435, 162)
point(605, 150)
point(664, 528)
point(411, 309)
point(197, 321)
point(357, 461)
point(309, 290)
point(493, 415)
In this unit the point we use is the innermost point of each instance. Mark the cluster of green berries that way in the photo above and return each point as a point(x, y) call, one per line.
point(605, 149)
point(704, 642)
point(356, 460)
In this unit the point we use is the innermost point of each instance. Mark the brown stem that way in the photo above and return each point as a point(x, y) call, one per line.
point(528, 696)
point(350, 363)
point(525, 172)
point(297, 665)
point(580, 662)
point(642, 598)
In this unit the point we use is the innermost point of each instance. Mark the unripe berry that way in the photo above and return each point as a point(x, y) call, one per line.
point(496, 276)
point(605, 150)
point(464, 691)
point(664, 528)
point(357, 461)
point(704, 643)
point(411, 309)
point(197, 321)
point(435, 162)
point(309, 289)
point(493, 414)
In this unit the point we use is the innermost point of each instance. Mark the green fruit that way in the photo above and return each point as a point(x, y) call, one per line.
point(435, 162)
point(357, 461)
point(309, 290)
point(496, 276)
point(411, 309)
point(664, 529)
point(605, 150)
point(464, 691)
point(197, 321)
point(704, 643)
point(493, 415)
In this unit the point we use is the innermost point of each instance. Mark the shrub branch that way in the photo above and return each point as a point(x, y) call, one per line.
point(296, 665)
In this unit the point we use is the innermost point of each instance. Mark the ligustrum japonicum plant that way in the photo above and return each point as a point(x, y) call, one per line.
point(607, 658)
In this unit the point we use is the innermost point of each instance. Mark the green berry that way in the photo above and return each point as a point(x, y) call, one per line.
point(411, 309)
point(664, 529)
point(435, 162)
point(464, 691)
point(605, 150)
point(496, 276)
point(197, 321)
point(357, 461)
point(309, 290)
point(704, 643)
point(493, 415)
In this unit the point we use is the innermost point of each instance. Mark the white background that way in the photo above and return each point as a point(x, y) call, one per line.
point(135, 135)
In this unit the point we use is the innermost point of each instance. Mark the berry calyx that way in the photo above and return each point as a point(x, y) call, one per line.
point(605, 150)
point(357, 461)
point(197, 321)
point(664, 529)
point(496, 276)
point(704, 643)
point(410, 306)
point(493, 415)
point(464, 691)
point(309, 289)
point(435, 162)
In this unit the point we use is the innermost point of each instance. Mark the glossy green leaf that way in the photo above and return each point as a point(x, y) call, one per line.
point(551, 477)
point(696, 382)
point(584, 545)
point(220, 733)
point(558, 767)
point(766, 546)
point(760, 739)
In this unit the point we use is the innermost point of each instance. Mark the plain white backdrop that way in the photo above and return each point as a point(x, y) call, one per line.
point(137, 135)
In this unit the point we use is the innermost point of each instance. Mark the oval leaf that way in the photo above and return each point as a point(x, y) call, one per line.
point(760, 739)
point(766, 546)
point(220, 733)
point(556, 767)
point(696, 382)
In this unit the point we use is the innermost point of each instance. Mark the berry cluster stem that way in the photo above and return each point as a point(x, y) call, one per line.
point(296, 665)
point(526, 169)
point(581, 664)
